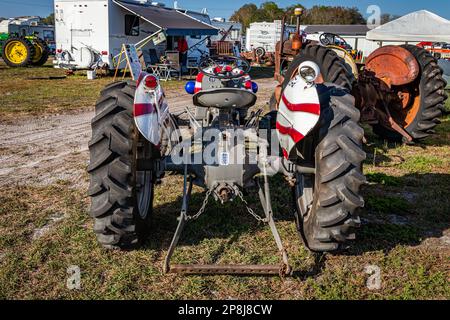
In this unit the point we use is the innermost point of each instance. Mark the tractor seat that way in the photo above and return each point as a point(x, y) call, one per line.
point(224, 98)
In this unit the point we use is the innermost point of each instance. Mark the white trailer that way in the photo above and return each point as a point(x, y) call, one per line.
point(265, 35)
point(90, 33)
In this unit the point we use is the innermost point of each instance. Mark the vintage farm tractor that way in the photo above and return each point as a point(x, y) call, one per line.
point(22, 51)
point(314, 141)
point(400, 90)
point(312, 137)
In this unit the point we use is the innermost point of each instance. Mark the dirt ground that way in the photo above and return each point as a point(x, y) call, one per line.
point(41, 150)
point(45, 228)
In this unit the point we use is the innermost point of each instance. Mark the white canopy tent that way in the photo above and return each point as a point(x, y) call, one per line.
point(414, 27)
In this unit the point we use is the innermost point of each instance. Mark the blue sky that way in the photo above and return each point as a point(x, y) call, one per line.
point(225, 8)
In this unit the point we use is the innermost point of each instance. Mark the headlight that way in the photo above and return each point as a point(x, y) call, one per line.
point(309, 71)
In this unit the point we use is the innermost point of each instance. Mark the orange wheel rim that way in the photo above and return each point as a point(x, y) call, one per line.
point(412, 112)
point(407, 106)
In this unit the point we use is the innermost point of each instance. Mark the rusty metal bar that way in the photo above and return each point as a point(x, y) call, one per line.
point(395, 125)
point(264, 195)
point(281, 270)
point(187, 189)
point(265, 270)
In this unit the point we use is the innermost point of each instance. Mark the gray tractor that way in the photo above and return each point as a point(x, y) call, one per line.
point(227, 147)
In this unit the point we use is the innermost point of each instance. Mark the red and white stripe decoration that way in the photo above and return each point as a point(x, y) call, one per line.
point(198, 82)
point(236, 71)
point(150, 110)
point(298, 113)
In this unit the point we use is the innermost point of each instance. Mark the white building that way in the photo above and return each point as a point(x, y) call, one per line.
point(419, 26)
point(92, 31)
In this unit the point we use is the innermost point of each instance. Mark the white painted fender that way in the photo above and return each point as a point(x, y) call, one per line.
point(298, 113)
point(150, 110)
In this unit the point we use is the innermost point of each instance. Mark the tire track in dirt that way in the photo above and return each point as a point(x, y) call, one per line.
point(43, 150)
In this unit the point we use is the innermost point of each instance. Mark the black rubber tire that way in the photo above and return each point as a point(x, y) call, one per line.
point(45, 52)
point(332, 67)
point(273, 103)
point(431, 86)
point(30, 52)
point(114, 149)
point(260, 52)
point(330, 220)
point(335, 150)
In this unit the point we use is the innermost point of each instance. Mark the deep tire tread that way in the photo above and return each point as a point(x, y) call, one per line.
point(112, 190)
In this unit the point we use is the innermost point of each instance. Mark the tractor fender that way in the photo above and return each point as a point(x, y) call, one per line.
point(150, 109)
point(298, 113)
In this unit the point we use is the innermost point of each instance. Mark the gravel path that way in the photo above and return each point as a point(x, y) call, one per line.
point(41, 151)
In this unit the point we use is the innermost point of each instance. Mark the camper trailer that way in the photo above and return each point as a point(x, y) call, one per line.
point(265, 35)
point(90, 33)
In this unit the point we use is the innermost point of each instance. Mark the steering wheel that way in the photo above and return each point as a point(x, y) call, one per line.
point(328, 39)
point(224, 67)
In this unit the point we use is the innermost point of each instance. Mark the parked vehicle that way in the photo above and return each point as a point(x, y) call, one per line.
point(91, 33)
point(399, 91)
point(23, 51)
point(445, 65)
point(312, 137)
point(135, 142)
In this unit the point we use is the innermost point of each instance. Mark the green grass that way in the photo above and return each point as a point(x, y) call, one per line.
point(386, 204)
point(21, 95)
point(422, 163)
point(407, 214)
point(33, 269)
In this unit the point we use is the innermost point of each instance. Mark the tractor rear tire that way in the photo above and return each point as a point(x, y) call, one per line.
point(332, 67)
point(45, 51)
point(27, 53)
point(326, 202)
point(121, 197)
point(431, 85)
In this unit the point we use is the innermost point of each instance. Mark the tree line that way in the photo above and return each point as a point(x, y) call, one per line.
point(270, 11)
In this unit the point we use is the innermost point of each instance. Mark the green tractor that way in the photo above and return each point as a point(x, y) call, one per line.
point(21, 51)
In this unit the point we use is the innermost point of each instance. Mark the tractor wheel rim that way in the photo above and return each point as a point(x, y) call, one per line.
point(38, 53)
point(408, 107)
point(412, 112)
point(144, 193)
point(16, 52)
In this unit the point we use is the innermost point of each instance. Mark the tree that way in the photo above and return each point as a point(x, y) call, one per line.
point(269, 11)
point(332, 15)
point(245, 15)
point(50, 20)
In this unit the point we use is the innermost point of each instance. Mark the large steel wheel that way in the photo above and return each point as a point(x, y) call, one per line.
point(18, 52)
point(41, 52)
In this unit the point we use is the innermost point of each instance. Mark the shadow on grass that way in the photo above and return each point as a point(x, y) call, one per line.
point(258, 73)
point(390, 220)
point(230, 220)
